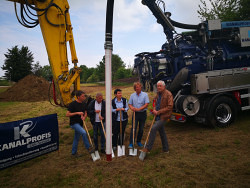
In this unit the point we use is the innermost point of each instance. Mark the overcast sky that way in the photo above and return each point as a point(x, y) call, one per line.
point(135, 29)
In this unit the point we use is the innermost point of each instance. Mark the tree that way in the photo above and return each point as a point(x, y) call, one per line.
point(93, 78)
point(244, 12)
point(86, 73)
point(226, 10)
point(123, 73)
point(37, 69)
point(116, 64)
point(18, 63)
point(46, 72)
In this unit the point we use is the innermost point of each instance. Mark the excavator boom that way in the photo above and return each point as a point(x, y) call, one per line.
point(54, 19)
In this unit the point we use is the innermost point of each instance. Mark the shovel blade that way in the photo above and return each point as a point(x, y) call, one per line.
point(142, 155)
point(133, 152)
point(121, 151)
point(95, 156)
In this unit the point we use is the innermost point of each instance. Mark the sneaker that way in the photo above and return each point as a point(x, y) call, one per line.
point(167, 151)
point(139, 144)
point(103, 151)
point(130, 146)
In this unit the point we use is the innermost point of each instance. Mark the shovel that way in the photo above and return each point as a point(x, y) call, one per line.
point(95, 155)
point(143, 154)
point(113, 155)
point(133, 151)
point(121, 148)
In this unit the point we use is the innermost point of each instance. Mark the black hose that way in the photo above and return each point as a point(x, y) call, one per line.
point(183, 26)
point(33, 13)
point(23, 21)
point(109, 23)
point(46, 16)
point(24, 9)
point(38, 9)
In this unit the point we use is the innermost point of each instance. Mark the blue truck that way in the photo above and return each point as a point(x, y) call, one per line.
point(207, 69)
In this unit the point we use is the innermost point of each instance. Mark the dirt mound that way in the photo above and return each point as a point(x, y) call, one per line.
point(29, 89)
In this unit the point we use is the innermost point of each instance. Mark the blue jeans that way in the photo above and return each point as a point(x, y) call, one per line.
point(79, 131)
point(98, 126)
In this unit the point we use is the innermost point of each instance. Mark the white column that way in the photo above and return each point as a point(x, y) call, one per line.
point(108, 89)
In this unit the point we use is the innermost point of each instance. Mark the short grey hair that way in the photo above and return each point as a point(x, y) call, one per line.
point(161, 82)
point(98, 94)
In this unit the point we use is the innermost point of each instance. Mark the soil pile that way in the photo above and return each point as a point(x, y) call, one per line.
point(29, 89)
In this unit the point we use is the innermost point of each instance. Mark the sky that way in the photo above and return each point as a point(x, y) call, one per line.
point(134, 29)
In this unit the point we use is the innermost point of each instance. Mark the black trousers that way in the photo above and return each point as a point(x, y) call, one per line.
point(140, 118)
point(116, 132)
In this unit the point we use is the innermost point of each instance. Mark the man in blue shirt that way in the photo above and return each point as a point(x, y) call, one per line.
point(138, 103)
point(119, 104)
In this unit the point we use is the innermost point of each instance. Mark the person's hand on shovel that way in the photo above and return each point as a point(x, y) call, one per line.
point(120, 109)
point(155, 112)
point(83, 117)
point(100, 117)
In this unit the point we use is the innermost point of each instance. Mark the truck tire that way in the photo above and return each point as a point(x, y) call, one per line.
point(222, 112)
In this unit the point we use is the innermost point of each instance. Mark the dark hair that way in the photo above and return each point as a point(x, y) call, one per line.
point(79, 93)
point(117, 90)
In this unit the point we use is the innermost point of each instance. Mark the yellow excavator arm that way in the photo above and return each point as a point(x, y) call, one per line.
point(55, 24)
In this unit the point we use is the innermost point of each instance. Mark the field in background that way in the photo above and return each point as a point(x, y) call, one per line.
point(199, 156)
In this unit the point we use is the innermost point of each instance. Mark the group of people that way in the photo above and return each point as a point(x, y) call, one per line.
point(138, 103)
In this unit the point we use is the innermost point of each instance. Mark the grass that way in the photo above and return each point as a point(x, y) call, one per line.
point(5, 83)
point(4, 105)
point(2, 89)
point(121, 84)
point(199, 156)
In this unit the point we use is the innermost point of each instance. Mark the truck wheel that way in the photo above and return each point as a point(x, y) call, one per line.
point(222, 112)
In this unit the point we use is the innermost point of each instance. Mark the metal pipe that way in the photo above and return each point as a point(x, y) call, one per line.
point(108, 76)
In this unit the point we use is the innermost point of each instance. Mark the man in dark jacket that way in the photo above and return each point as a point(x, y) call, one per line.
point(96, 112)
point(119, 106)
point(162, 111)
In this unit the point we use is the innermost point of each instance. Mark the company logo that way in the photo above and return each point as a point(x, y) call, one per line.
point(246, 39)
point(25, 127)
point(23, 137)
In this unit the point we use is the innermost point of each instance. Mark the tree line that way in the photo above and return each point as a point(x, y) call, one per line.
point(20, 63)
point(225, 10)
